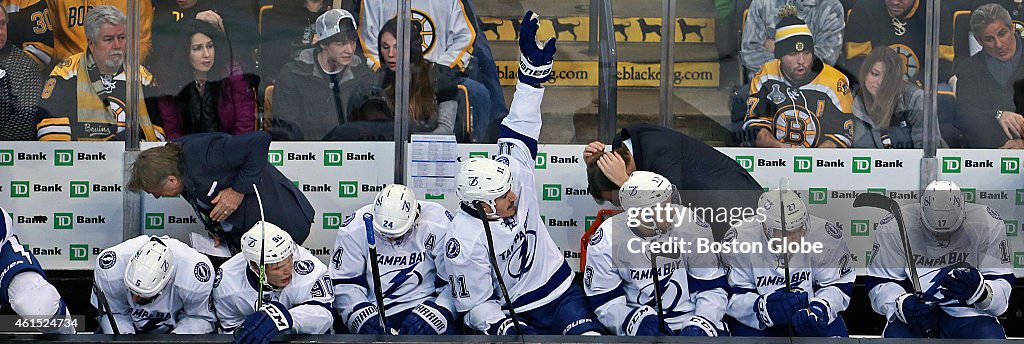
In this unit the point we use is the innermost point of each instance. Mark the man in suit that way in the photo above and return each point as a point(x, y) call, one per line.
point(216, 173)
point(704, 176)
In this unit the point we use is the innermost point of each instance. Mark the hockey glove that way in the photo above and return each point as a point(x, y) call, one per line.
point(921, 317)
point(507, 327)
point(426, 318)
point(365, 319)
point(964, 284)
point(265, 324)
point(812, 321)
point(698, 326)
point(779, 307)
point(535, 60)
point(642, 321)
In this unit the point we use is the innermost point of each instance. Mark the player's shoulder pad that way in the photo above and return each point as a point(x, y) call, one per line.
point(834, 79)
point(822, 230)
point(601, 237)
point(984, 219)
point(436, 215)
point(306, 264)
point(769, 69)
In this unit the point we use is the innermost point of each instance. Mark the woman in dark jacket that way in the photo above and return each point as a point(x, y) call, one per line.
point(209, 94)
point(889, 110)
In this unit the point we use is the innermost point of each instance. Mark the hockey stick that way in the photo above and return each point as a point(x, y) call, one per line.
point(657, 292)
point(784, 187)
point(263, 246)
point(880, 201)
point(494, 266)
point(378, 294)
point(103, 303)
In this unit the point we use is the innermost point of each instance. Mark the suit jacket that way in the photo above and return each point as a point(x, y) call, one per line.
point(211, 162)
point(704, 176)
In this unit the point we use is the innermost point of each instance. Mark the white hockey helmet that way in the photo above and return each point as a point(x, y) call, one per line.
point(645, 189)
point(795, 210)
point(483, 180)
point(278, 245)
point(150, 270)
point(395, 211)
point(942, 207)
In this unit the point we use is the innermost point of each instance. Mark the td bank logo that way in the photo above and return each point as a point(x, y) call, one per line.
point(334, 157)
point(552, 192)
point(1009, 165)
point(1011, 228)
point(817, 196)
point(20, 189)
point(78, 252)
point(348, 189)
point(803, 164)
point(79, 189)
point(1018, 260)
point(332, 220)
point(1019, 200)
point(860, 227)
point(951, 164)
point(970, 195)
point(154, 221)
point(63, 221)
point(6, 157)
point(276, 157)
point(746, 161)
point(63, 157)
point(478, 155)
point(588, 221)
point(861, 164)
point(542, 161)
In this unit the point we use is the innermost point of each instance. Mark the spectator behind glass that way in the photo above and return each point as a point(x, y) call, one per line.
point(84, 99)
point(208, 93)
point(372, 117)
point(20, 86)
point(69, 36)
point(825, 18)
point(432, 87)
point(312, 90)
point(900, 25)
point(989, 84)
point(796, 100)
point(287, 29)
point(889, 110)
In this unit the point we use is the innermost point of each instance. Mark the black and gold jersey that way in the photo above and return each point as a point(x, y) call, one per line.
point(870, 25)
point(807, 115)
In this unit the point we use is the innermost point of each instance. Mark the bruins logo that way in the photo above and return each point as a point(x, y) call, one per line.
point(427, 29)
point(794, 124)
point(910, 61)
point(843, 87)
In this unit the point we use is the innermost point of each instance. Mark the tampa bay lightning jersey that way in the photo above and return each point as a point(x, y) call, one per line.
point(827, 276)
point(408, 266)
point(980, 242)
point(618, 279)
point(183, 307)
point(307, 296)
point(532, 266)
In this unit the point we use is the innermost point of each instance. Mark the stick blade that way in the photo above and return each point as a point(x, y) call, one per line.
point(874, 200)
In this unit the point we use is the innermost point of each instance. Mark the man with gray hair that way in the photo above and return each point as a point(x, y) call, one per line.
point(68, 109)
point(986, 83)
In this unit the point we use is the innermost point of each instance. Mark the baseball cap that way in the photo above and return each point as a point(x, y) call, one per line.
point(336, 24)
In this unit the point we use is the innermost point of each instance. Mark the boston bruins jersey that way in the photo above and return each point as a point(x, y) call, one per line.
point(807, 115)
point(871, 25)
point(68, 19)
point(29, 27)
point(59, 117)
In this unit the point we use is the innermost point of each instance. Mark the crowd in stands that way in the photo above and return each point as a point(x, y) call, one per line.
point(819, 73)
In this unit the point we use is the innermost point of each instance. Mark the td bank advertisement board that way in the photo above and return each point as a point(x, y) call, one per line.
point(65, 199)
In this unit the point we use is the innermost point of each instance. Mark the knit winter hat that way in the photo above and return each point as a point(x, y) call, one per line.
point(792, 35)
